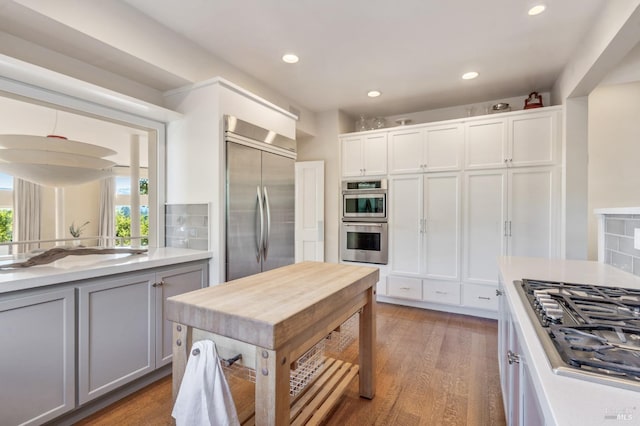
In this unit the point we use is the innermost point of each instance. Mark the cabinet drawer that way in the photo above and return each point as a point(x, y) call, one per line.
point(441, 292)
point(480, 296)
point(405, 288)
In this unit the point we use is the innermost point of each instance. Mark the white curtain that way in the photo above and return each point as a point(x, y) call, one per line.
point(26, 214)
point(107, 225)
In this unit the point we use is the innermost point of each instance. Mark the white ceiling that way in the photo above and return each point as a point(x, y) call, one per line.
point(414, 51)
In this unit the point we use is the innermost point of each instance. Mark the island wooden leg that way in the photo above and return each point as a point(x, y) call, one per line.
point(182, 341)
point(367, 353)
point(272, 387)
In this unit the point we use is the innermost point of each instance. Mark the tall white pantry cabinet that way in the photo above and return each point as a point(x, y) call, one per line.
point(462, 193)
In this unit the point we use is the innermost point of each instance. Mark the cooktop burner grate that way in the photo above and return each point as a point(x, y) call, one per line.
point(587, 331)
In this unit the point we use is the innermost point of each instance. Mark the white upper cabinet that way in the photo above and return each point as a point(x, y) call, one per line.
point(486, 143)
point(524, 139)
point(533, 139)
point(426, 149)
point(364, 155)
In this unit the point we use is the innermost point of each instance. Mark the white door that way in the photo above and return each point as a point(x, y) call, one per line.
point(533, 139)
point(442, 226)
point(443, 147)
point(309, 239)
point(405, 151)
point(374, 154)
point(531, 226)
point(405, 215)
point(486, 143)
point(484, 224)
point(352, 164)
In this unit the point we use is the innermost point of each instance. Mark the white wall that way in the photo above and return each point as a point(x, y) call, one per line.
point(325, 146)
point(614, 151)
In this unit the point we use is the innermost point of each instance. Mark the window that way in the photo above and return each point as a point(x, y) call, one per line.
point(6, 211)
point(123, 209)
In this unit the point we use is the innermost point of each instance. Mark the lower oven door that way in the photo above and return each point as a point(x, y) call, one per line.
point(364, 242)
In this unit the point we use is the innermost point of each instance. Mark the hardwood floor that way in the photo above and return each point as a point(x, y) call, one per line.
point(434, 368)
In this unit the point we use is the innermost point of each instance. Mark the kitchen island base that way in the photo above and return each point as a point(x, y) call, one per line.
point(261, 310)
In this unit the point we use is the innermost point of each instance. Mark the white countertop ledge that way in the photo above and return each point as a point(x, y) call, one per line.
point(618, 210)
point(73, 268)
point(567, 401)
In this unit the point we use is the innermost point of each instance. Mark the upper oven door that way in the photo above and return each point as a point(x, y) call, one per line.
point(364, 206)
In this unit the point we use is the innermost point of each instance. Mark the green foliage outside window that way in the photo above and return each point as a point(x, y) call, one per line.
point(123, 226)
point(6, 225)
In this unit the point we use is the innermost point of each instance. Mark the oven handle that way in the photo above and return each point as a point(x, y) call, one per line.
point(370, 224)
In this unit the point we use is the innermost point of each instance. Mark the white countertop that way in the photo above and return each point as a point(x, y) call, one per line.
point(72, 268)
point(568, 401)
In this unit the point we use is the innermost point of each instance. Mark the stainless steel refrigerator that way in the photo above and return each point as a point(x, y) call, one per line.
point(260, 189)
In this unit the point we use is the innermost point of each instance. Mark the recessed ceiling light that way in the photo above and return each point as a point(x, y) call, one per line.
point(374, 93)
point(290, 58)
point(469, 75)
point(537, 9)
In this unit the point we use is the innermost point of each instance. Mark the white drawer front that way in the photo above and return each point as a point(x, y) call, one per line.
point(441, 292)
point(405, 288)
point(480, 296)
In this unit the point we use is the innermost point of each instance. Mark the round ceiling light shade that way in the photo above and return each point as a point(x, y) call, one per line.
point(53, 160)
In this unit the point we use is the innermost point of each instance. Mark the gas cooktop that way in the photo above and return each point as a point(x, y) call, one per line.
point(590, 332)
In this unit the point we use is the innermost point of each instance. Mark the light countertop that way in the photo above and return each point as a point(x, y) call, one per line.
point(568, 401)
point(72, 268)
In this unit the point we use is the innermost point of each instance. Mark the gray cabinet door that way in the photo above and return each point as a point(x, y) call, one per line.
point(172, 283)
point(37, 357)
point(116, 333)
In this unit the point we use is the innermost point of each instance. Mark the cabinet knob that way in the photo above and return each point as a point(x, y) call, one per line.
point(499, 292)
point(160, 284)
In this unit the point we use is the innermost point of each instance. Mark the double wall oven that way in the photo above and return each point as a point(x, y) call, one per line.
point(364, 221)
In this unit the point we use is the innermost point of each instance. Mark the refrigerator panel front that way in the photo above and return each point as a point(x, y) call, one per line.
point(278, 181)
point(244, 193)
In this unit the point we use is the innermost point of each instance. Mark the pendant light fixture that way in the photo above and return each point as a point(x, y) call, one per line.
point(53, 160)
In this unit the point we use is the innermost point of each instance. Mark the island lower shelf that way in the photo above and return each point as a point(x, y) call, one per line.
point(313, 405)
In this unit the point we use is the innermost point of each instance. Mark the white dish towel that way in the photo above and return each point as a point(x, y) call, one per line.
point(204, 398)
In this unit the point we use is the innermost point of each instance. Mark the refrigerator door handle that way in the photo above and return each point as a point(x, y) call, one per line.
point(268, 208)
point(260, 219)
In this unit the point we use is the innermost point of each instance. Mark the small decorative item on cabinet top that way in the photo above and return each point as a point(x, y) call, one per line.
point(533, 101)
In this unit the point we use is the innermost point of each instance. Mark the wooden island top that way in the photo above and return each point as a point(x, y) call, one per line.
point(283, 313)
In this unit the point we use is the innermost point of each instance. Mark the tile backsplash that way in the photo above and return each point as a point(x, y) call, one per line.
point(618, 242)
point(187, 226)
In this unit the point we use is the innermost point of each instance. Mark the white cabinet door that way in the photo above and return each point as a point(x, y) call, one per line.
point(352, 156)
point(443, 147)
point(116, 333)
point(532, 212)
point(486, 143)
point(485, 212)
point(173, 282)
point(37, 359)
point(533, 139)
point(405, 151)
point(364, 155)
point(374, 154)
point(442, 226)
point(405, 216)
point(309, 211)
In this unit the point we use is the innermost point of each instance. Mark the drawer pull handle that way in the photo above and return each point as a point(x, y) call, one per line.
point(405, 288)
point(442, 292)
point(484, 298)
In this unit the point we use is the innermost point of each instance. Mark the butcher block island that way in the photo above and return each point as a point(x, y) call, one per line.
point(281, 314)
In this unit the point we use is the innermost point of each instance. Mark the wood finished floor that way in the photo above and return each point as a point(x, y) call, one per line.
point(433, 368)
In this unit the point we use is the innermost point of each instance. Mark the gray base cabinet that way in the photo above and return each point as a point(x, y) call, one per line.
point(122, 330)
point(63, 347)
point(37, 356)
point(116, 333)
